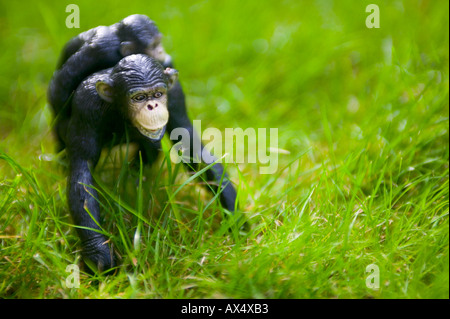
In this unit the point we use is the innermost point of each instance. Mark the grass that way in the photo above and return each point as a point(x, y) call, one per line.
point(362, 112)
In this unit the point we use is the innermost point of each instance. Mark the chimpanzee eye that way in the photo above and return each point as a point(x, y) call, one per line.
point(139, 97)
point(157, 95)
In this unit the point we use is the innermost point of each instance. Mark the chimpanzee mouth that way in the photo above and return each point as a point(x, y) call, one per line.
point(155, 135)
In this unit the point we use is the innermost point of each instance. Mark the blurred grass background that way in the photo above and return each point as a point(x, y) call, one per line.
point(362, 112)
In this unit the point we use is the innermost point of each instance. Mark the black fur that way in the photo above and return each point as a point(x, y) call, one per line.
point(86, 123)
point(90, 126)
point(92, 51)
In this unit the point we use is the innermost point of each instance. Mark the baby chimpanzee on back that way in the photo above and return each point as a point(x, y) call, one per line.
point(137, 94)
point(97, 49)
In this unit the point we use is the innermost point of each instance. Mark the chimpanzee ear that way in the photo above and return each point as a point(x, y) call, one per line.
point(105, 90)
point(127, 48)
point(172, 76)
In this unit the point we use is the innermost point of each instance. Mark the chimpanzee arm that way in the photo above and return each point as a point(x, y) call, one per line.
point(84, 147)
point(87, 60)
point(179, 118)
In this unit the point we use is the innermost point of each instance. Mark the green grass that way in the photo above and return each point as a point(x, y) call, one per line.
point(364, 116)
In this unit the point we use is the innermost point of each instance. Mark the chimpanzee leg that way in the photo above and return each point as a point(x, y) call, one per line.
point(70, 49)
point(179, 119)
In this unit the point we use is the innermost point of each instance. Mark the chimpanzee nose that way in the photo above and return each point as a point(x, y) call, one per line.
point(151, 107)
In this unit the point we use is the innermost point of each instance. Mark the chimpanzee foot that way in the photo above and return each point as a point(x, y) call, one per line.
point(98, 255)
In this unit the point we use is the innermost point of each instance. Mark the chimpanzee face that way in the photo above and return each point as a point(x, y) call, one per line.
point(138, 34)
point(150, 110)
point(138, 86)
